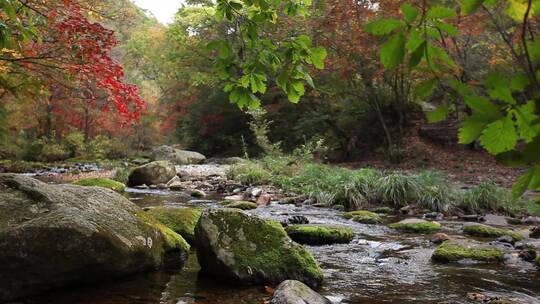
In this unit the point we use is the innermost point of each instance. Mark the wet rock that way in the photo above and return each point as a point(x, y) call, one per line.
point(457, 250)
point(197, 193)
point(535, 232)
point(296, 200)
point(180, 220)
point(264, 200)
point(298, 220)
point(295, 292)
point(514, 221)
point(158, 172)
point(242, 205)
point(416, 226)
point(236, 247)
point(162, 186)
point(532, 220)
point(383, 210)
point(142, 187)
point(363, 216)
point(489, 231)
point(408, 210)
point(506, 239)
point(234, 198)
point(176, 156)
point(88, 233)
point(472, 218)
point(320, 234)
point(175, 184)
point(439, 238)
point(101, 182)
point(256, 192)
point(338, 207)
point(433, 216)
point(528, 255)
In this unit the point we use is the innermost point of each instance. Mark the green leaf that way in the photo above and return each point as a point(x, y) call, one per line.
point(439, 114)
point(441, 12)
point(530, 180)
point(525, 117)
point(499, 88)
point(499, 136)
point(470, 6)
point(414, 40)
point(409, 12)
point(425, 89)
point(534, 50)
point(417, 55)
point(471, 128)
point(383, 27)
point(318, 55)
point(483, 106)
point(519, 82)
point(447, 28)
point(393, 51)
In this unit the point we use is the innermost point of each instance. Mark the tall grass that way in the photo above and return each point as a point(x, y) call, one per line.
point(356, 189)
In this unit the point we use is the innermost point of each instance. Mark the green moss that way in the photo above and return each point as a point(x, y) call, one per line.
point(383, 210)
point(451, 251)
point(363, 216)
point(243, 205)
point(180, 220)
point(319, 235)
point(262, 246)
point(416, 226)
point(488, 231)
point(538, 261)
point(172, 241)
point(101, 182)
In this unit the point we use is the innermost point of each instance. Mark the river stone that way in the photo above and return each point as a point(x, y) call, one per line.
point(414, 225)
point(320, 234)
point(482, 230)
point(462, 249)
point(154, 173)
point(236, 247)
point(177, 156)
point(180, 220)
point(57, 235)
point(295, 292)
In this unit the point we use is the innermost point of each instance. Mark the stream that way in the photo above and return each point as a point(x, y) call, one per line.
point(379, 266)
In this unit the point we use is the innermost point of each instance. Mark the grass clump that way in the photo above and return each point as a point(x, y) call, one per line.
point(452, 251)
point(101, 182)
point(490, 232)
point(416, 226)
point(487, 197)
point(398, 189)
point(250, 173)
point(363, 216)
point(180, 220)
point(319, 235)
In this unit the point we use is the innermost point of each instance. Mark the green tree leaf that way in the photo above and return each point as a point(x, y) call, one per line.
point(318, 55)
point(470, 6)
point(471, 128)
point(393, 51)
point(439, 114)
point(528, 181)
point(499, 136)
point(409, 12)
point(425, 89)
point(441, 12)
point(483, 106)
point(384, 26)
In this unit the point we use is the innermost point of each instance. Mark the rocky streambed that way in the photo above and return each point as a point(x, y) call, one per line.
point(379, 265)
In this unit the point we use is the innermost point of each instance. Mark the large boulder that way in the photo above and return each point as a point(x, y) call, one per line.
point(180, 220)
point(177, 156)
point(295, 292)
point(57, 235)
point(154, 173)
point(236, 247)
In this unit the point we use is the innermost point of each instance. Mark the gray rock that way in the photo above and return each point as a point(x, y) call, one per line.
point(57, 235)
point(154, 173)
point(295, 292)
point(236, 247)
point(177, 156)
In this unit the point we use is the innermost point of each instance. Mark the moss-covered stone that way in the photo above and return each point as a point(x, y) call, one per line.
point(456, 250)
point(101, 182)
point(383, 210)
point(180, 220)
point(363, 216)
point(319, 235)
point(481, 230)
point(243, 205)
point(234, 246)
point(50, 234)
point(416, 226)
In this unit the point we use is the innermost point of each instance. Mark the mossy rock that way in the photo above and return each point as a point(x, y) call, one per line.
point(180, 220)
point(154, 173)
point(457, 250)
point(416, 226)
point(363, 216)
point(481, 230)
point(319, 235)
point(243, 205)
point(101, 182)
point(295, 292)
point(383, 210)
point(51, 234)
point(236, 247)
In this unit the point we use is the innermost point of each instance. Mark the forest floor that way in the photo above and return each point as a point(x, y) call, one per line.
point(462, 165)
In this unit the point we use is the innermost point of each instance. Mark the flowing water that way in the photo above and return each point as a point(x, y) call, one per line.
point(379, 266)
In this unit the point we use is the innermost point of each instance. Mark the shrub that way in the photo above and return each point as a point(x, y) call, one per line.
point(74, 142)
point(435, 192)
point(249, 173)
point(99, 147)
point(121, 174)
point(117, 149)
point(53, 152)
